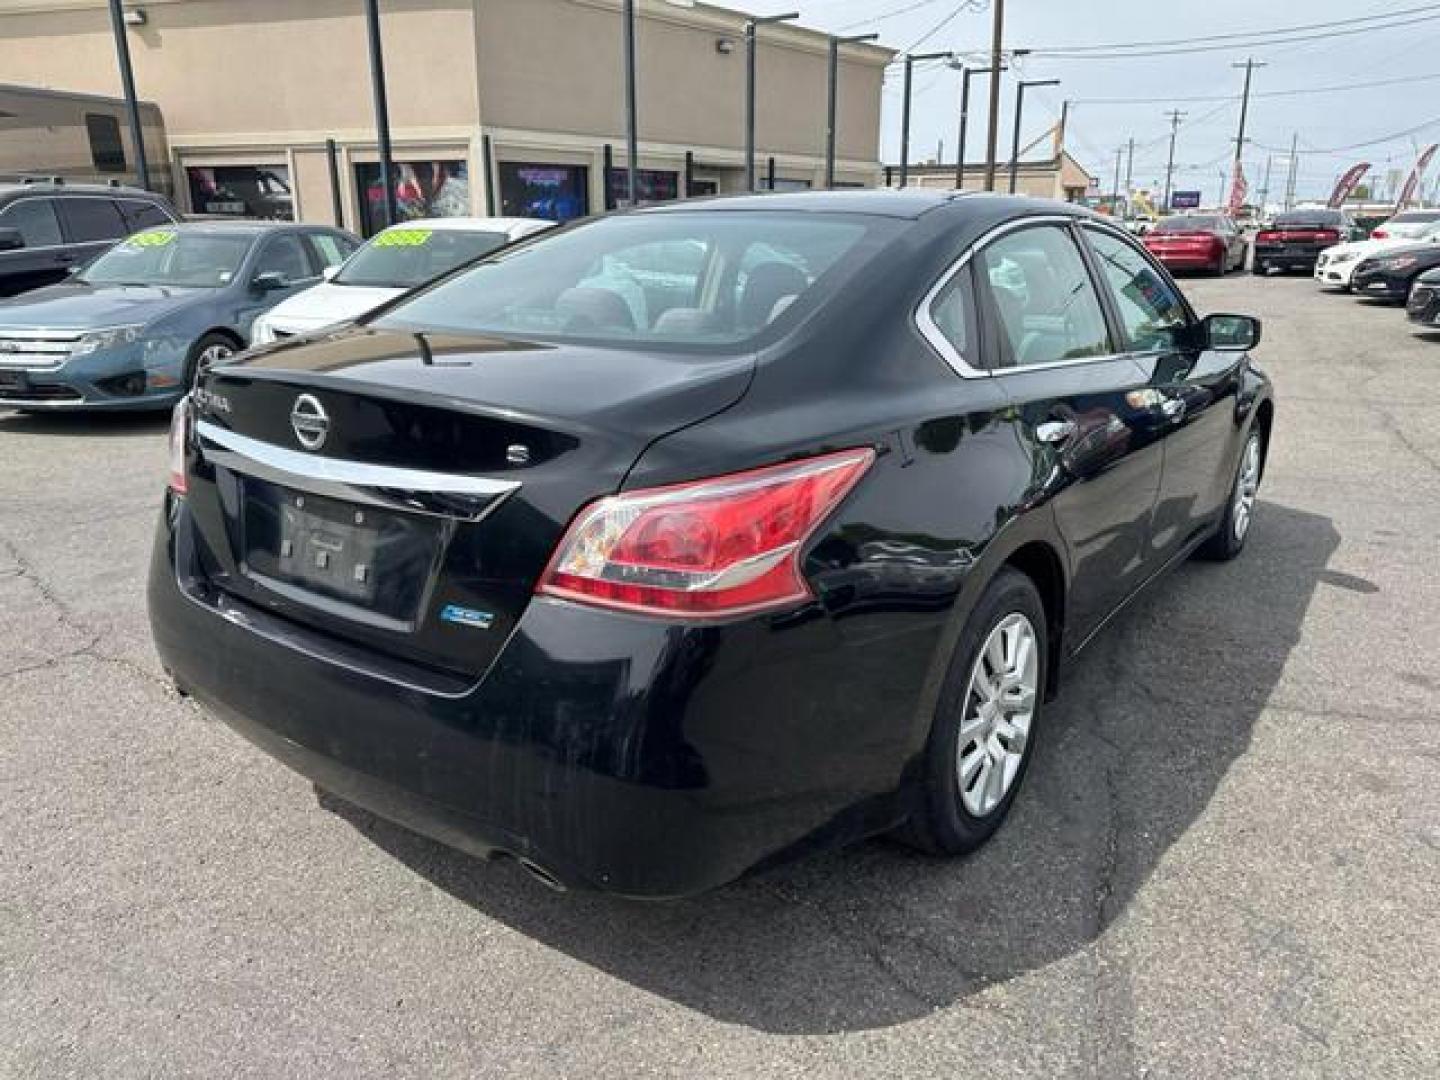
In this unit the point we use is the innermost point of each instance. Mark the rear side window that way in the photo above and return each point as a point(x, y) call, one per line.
point(1150, 307)
point(90, 220)
point(107, 151)
point(1044, 298)
point(329, 249)
point(142, 215)
point(36, 220)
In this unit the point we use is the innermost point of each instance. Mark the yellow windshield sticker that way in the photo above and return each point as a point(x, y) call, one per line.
point(158, 238)
point(403, 238)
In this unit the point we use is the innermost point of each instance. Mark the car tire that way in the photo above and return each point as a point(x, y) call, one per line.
point(204, 353)
point(980, 747)
point(1258, 268)
point(1228, 539)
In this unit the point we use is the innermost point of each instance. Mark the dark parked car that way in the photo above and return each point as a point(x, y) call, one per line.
point(648, 601)
point(1210, 242)
point(1390, 274)
point(132, 329)
point(1423, 304)
point(47, 229)
point(1293, 240)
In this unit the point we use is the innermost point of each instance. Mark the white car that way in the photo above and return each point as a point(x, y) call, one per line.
point(391, 262)
point(1335, 265)
point(1406, 225)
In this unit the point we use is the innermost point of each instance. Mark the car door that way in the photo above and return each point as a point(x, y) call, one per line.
point(41, 257)
point(1080, 406)
point(282, 253)
point(1190, 392)
point(92, 224)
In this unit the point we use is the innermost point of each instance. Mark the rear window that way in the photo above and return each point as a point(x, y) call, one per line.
point(1194, 223)
point(1415, 217)
point(1309, 219)
point(677, 278)
point(405, 256)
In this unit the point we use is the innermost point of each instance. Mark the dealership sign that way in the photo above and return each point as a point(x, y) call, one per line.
point(1184, 200)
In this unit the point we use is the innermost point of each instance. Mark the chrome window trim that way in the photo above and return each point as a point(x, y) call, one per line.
point(942, 345)
point(387, 486)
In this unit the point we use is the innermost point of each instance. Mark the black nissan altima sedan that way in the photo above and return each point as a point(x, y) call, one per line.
point(1390, 273)
point(683, 540)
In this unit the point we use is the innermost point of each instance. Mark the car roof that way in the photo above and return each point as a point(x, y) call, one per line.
point(241, 226)
point(45, 187)
point(907, 203)
point(469, 224)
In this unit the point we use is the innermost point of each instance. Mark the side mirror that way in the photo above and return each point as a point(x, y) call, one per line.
point(269, 282)
point(330, 271)
point(1230, 333)
point(11, 240)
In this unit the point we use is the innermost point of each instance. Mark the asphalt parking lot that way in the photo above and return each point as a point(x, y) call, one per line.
point(1225, 861)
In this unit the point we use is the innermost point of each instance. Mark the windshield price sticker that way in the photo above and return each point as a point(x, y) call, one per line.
point(403, 238)
point(158, 238)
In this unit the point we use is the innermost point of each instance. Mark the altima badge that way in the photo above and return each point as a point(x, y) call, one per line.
point(310, 422)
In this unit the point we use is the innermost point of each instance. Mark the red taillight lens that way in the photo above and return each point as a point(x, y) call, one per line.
point(1327, 235)
point(1379, 234)
point(179, 438)
point(1267, 235)
point(725, 546)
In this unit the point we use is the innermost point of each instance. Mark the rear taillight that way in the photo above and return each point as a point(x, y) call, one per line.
point(1267, 235)
point(1329, 236)
point(179, 438)
point(1379, 234)
point(708, 549)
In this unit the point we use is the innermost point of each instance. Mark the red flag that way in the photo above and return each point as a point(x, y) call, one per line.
point(1346, 184)
point(1238, 190)
point(1415, 174)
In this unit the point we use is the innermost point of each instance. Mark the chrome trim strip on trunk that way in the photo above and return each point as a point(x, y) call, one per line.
point(414, 490)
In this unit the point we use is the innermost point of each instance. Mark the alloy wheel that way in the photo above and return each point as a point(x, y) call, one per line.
point(999, 708)
point(1246, 485)
point(210, 356)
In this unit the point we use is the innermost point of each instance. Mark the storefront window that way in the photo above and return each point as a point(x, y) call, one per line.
point(553, 192)
point(423, 189)
point(252, 191)
point(651, 186)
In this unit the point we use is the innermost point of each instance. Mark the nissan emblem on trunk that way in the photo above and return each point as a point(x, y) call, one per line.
point(310, 422)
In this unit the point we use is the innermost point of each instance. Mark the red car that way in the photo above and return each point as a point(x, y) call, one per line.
point(1197, 242)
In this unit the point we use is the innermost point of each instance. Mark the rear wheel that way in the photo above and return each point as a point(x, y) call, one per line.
point(983, 734)
point(210, 350)
point(1229, 538)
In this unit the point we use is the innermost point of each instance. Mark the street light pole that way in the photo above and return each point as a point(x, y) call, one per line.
point(751, 25)
point(831, 98)
point(1019, 112)
point(910, 59)
point(965, 74)
point(997, 39)
point(382, 109)
point(632, 133)
point(127, 83)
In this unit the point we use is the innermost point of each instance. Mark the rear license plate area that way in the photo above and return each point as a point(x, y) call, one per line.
point(369, 564)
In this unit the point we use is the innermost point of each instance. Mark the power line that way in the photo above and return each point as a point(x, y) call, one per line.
point(1061, 54)
point(1295, 92)
point(1360, 145)
point(1243, 33)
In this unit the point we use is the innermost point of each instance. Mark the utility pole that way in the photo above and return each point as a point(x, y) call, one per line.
point(1175, 117)
point(1129, 168)
point(1294, 171)
point(1250, 65)
point(997, 38)
point(1265, 184)
point(1115, 191)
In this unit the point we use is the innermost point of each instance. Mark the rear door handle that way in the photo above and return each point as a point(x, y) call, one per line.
point(1055, 431)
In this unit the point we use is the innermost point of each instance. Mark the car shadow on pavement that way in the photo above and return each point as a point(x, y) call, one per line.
point(1146, 728)
point(85, 423)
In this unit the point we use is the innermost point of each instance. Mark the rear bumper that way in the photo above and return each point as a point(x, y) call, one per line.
point(1187, 260)
point(614, 753)
point(1289, 257)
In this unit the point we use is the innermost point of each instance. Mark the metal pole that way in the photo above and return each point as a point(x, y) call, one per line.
point(1175, 117)
point(689, 172)
point(487, 155)
point(833, 79)
point(997, 36)
point(127, 83)
point(770, 173)
point(382, 109)
point(965, 74)
point(608, 160)
point(1015, 138)
point(1265, 185)
point(1294, 162)
point(632, 135)
point(905, 123)
point(337, 205)
point(750, 105)
point(1129, 170)
point(1115, 193)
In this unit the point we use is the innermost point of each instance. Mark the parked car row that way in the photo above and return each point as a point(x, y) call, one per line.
point(124, 317)
point(1400, 262)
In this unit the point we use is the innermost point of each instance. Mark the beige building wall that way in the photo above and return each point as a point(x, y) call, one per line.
point(266, 82)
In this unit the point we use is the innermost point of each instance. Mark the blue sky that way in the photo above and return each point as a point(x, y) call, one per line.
point(1328, 123)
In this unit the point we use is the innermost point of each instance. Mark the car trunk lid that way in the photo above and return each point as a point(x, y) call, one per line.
point(403, 491)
